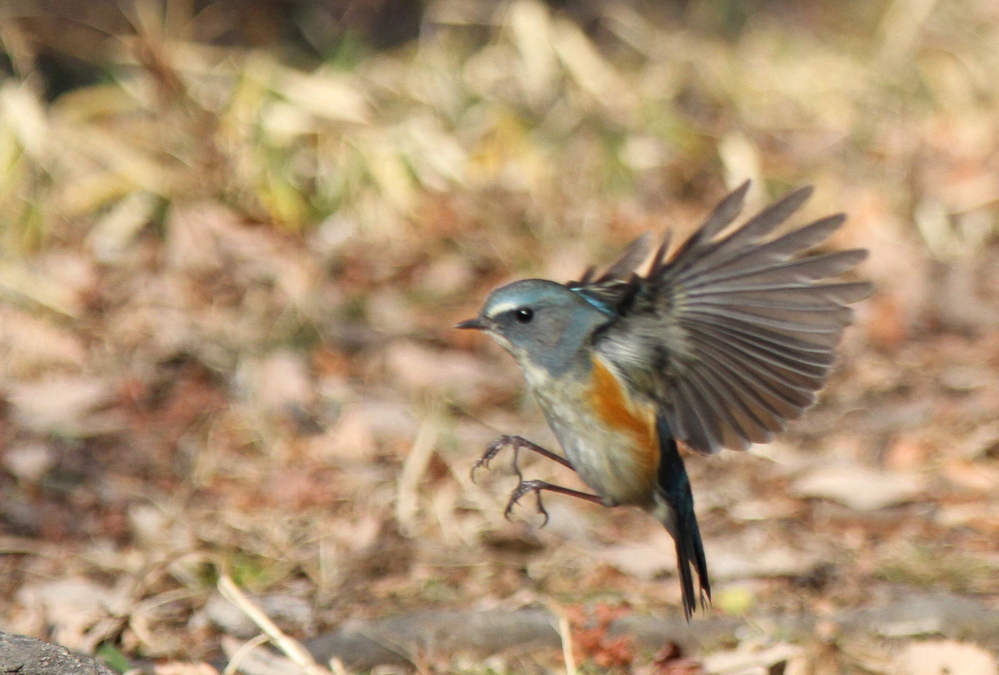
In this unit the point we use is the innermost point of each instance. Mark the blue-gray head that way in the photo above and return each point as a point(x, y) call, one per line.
point(542, 323)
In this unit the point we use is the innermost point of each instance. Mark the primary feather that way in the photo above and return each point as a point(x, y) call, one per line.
point(734, 334)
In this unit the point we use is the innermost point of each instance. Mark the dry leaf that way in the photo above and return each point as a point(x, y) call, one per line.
point(945, 657)
point(29, 461)
point(30, 343)
point(278, 381)
point(858, 487)
point(73, 606)
point(62, 404)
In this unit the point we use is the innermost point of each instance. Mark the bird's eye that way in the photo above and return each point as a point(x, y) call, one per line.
point(524, 315)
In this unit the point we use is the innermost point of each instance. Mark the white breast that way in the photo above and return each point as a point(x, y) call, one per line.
point(604, 458)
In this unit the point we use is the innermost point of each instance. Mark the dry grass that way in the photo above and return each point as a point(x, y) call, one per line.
point(226, 287)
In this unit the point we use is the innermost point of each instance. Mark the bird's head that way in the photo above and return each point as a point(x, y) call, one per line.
point(543, 324)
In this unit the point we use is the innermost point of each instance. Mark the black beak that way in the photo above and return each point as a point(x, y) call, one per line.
point(474, 324)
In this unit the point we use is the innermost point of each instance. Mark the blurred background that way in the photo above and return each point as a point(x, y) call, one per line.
point(234, 238)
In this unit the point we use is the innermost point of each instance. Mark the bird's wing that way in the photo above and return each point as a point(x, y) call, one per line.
point(614, 288)
point(734, 334)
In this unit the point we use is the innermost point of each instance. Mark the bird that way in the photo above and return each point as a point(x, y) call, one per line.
point(718, 345)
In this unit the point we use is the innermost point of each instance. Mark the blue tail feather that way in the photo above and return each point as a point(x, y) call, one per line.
point(681, 522)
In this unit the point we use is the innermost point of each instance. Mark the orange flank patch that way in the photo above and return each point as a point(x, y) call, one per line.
point(617, 411)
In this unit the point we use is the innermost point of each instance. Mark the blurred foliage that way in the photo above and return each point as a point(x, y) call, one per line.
point(187, 106)
point(112, 658)
point(233, 238)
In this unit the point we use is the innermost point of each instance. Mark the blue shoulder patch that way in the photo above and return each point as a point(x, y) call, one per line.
point(593, 300)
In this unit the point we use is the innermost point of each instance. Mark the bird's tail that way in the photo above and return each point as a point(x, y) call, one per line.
point(675, 509)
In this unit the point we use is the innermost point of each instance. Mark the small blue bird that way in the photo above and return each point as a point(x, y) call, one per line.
point(718, 346)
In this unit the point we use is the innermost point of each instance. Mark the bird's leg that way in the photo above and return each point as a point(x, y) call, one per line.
point(536, 486)
point(525, 486)
point(516, 442)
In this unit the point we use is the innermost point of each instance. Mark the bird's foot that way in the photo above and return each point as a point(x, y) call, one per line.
point(517, 443)
point(525, 486)
point(536, 486)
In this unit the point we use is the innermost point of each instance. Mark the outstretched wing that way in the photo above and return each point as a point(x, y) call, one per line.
point(613, 289)
point(735, 334)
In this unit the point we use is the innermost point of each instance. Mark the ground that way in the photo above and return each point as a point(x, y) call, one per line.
point(229, 378)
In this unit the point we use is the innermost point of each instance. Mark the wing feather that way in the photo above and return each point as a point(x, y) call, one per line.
point(632, 257)
point(734, 334)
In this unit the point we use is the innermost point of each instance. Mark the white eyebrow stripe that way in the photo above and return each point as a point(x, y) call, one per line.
point(496, 310)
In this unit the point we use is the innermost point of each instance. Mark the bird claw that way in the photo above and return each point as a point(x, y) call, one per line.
point(522, 489)
point(524, 486)
point(492, 450)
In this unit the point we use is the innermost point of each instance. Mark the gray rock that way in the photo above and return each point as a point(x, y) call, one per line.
point(22, 654)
